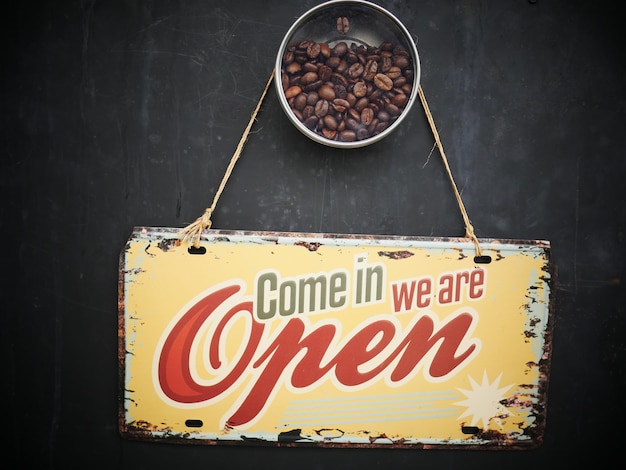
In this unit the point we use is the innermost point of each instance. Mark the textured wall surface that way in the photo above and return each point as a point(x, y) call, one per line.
point(122, 114)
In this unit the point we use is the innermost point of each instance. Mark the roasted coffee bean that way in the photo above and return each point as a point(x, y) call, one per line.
point(385, 63)
point(326, 92)
point(347, 136)
point(383, 82)
point(325, 72)
point(353, 124)
point(341, 91)
point(399, 100)
point(343, 25)
point(362, 133)
point(361, 104)
point(325, 50)
point(342, 67)
point(309, 67)
point(370, 69)
point(401, 61)
point(354, 114)
point(308, 111)
point(367, 116)
point(393, 72)
point(321, 108)
point(399, 82)
point(293, 91)
point(333, 62)
point(359, 89)
point(383, 116)
point(313, 86)
point(330, 134)
point(340, 49)
point(346, 92)
point(392, 109)
point(311, 122)
point(356, 70)
point(313, 50)
point(293, 67)
point(299, 101)
point(340, 105)
point(330, 122)
point(352, 57)
point(339, 79)
point(308, 77)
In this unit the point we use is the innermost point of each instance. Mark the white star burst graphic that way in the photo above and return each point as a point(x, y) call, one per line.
point(483, 401)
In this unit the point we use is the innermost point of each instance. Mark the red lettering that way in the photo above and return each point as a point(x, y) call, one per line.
point(403, 299)
point(423, 338)
point(279, 355)
point(301, 355)
point(357, 351)
point(174, 370)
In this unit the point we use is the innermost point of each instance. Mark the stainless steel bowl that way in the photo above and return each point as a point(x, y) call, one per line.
point(362, 26)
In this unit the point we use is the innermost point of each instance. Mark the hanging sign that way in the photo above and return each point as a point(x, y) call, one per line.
point(333, 340)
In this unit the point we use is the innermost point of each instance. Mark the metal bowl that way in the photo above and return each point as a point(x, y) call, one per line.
point(370, 33)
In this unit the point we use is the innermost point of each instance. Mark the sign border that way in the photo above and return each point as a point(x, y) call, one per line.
point(486, 440)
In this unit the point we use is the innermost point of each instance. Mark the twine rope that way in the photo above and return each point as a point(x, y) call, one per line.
point(469, 229)
point(193, 231)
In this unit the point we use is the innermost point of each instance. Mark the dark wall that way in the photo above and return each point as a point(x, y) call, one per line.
point(125, 113)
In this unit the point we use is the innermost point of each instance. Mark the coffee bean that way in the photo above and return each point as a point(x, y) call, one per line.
point(326, 92)
point(341, 91)
point(325, 72)
point(330, 134)
point(340, 105)
point(311, 122)
point(383, 82)
point(300, 101)
point(293, 67)
point(325, 50)
point(399, 100)
point(367, 116)
point(308, 78)
point(293, 91)
point(401, 61)
point(313, 50)
point(361, 104)
point(347, 136)
point(321, 108)
point(354, 114)
point(346, 92)
point(356, 70)
point(392, 109)
point(343, 25)
point(340, 49)
point(330, 122)
point(393, 72)
point(370, 69)
point(362, 133)
point(359, 89)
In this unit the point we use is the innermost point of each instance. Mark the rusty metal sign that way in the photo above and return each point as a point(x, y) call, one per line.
point(334, 340)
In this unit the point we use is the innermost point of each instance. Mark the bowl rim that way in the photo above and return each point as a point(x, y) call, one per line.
point(278, 71)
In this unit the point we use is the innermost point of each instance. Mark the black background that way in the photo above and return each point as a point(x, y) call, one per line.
point(126, 113)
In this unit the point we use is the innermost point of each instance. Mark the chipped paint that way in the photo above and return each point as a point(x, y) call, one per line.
point(491, 393)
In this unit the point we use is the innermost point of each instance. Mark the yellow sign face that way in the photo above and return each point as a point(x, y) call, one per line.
point(334, 340)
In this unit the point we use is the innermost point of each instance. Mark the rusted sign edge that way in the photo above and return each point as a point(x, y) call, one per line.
point(485, 440)
point(269, 236)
